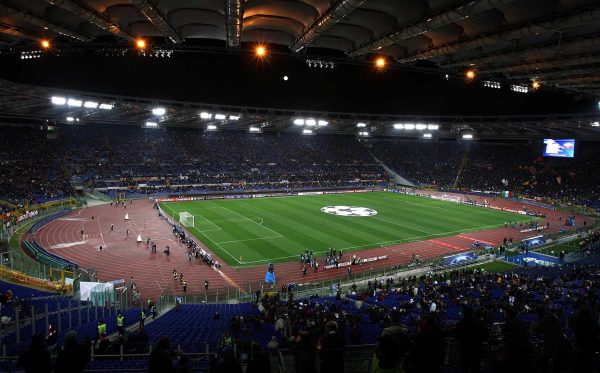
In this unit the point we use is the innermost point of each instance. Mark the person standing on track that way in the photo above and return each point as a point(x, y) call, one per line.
point(206, 285)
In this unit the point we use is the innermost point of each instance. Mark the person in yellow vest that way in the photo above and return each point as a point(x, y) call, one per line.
point(101, 328)
point(120, 323)
point(142, 318)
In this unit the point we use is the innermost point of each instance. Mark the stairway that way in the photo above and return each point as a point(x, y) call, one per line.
point(463, 163)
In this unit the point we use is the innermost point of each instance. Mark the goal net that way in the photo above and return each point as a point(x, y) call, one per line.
point(186, 219)
point(455, 199)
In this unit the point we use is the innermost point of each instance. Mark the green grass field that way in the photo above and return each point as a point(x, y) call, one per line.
point(262, 230)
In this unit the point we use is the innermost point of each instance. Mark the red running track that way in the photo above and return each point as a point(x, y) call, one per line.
point(122, 257)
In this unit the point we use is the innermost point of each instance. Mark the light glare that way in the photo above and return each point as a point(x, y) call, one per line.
point(74, 102)
point(159, 111)
point(90, 104)
point(58, 100)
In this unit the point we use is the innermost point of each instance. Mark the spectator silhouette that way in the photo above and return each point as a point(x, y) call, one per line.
point(72, 357)
point(36, 359)
point(160, 357)
point(471, 333)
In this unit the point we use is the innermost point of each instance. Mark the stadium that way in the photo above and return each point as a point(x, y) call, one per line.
point(299, 186)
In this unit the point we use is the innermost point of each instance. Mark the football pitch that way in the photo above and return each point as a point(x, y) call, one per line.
point(276, 229)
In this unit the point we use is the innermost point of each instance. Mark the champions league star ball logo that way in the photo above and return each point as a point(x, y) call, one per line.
point(349, 211)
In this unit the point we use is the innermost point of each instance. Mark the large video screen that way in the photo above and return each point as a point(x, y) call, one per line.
point(564, 148)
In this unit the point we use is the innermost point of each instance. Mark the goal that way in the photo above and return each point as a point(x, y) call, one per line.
point(186, 219)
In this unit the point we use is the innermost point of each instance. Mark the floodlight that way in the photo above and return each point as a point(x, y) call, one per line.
point(140, 44)
point(322, 123)
point(433, 127)
point(74, 102)
point(363, 133)
point(151, 125)
point(399, 126)
point(470, 74)
point(70, 119)
point(45, 44)
point(234, 117)
point(467, 136)
point(596, 124)
point(220, 116)
point(106, 106)
point(420, 126)
point(90, 104)
point(211, 127)
point(205, 115)
point(380, 63)
point(56, 100)
point(427, 135)
point(261, 51)
point(361, 125)
point(535, 85)
point(254, 129)
point(311, 122)
point(307, 132)
point(285, 77)
point(299, 121)
point(159, 111)
point(409, 126)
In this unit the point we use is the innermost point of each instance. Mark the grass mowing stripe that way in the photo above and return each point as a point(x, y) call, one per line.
point(303, 225)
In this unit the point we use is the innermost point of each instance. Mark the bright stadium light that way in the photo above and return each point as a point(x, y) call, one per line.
point(380, 63)
point(398, 126)
point(234, 117)
point(90, 104)
point(140, 44)
point(467, 136)
point(361, 125)
point(151, 125)
point(211, 127)
point(45, 44)
point(106, 106)
point(70, 119)
point(254, 129)
point(74, 102)
point(433, 127)
point(307, 132)
point(56, 100)
point(596, 124)
point(260, 51)
point(427, 135)
point(205, 115)
point(409, 126)
point(220, 116)
point(363, 133)
point(159, 111)
point(311, 122)
point(299, 122)
point(322, 123)
point(420, 126)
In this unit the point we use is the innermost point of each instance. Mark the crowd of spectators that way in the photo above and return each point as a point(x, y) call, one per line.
point(493, 166)
point(37, 168)
point(542, 318)
point(31, 168)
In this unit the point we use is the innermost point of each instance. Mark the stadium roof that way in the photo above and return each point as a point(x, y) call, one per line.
point(27, 104)
point(556, 42)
